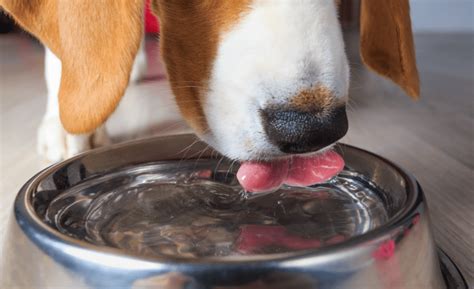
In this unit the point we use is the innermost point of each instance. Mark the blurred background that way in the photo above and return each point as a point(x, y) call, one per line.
point(432, 138)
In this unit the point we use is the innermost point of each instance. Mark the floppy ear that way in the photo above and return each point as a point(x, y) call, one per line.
point(387, 42)
point(96, 41)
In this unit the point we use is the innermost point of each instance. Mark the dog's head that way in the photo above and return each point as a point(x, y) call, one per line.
point(257, 79)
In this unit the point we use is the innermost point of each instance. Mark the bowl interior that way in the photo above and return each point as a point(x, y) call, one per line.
point(178, 202)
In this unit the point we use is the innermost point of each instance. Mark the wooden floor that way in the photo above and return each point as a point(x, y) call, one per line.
point(432, 138)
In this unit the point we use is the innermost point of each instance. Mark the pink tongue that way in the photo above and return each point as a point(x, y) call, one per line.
point(262, 176)
point(309, 171)
point(267, 176)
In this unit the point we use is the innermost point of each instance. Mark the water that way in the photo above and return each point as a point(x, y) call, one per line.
point(191, 209)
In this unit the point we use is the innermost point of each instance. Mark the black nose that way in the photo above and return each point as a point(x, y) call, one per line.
point(296, 131)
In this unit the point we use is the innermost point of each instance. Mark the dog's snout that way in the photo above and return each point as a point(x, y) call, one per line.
point(297, 131)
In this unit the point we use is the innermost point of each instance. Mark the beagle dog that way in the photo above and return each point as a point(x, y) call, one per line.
point(255, 79)
point(53, 142)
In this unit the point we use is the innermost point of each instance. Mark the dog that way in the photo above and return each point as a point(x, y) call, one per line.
point(54, 143)
point(256, 79)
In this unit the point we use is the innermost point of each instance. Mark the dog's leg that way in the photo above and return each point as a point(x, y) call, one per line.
point(54, 143)
point(140, 65)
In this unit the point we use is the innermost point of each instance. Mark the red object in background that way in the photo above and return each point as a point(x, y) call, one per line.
point(151, 23)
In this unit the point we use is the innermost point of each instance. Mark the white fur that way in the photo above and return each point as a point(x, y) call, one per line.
point(276, 50)
point(140, 65)
point(54, 143)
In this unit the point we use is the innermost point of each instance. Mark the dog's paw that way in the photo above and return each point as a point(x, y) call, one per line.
point(55, 144)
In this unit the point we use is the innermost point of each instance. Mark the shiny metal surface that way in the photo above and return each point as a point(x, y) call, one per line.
point(398, 254)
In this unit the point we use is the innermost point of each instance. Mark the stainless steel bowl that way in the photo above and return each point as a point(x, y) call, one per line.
point(396, 251)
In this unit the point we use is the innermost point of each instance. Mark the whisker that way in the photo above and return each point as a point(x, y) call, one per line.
point(186, 150)
point(230, 168)
point(218, 164)
point(200, 154)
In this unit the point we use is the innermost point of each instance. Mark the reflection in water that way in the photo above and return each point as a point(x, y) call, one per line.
point(156, 211)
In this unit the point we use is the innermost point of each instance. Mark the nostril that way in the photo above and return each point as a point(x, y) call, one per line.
point(295, 131)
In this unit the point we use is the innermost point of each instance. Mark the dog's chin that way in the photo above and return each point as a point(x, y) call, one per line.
point(264, 153)
point(314, 153)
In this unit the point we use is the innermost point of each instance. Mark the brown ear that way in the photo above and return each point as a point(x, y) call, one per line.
point(96, 41)
point(387, 42)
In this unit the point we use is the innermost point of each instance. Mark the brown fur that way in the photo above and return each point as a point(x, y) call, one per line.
point(387, 42)
point(97, 41)
point(315, 100)
point(190, 31)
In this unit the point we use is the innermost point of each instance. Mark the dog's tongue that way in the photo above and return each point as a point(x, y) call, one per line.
point(309, 171)
point(299, 171)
